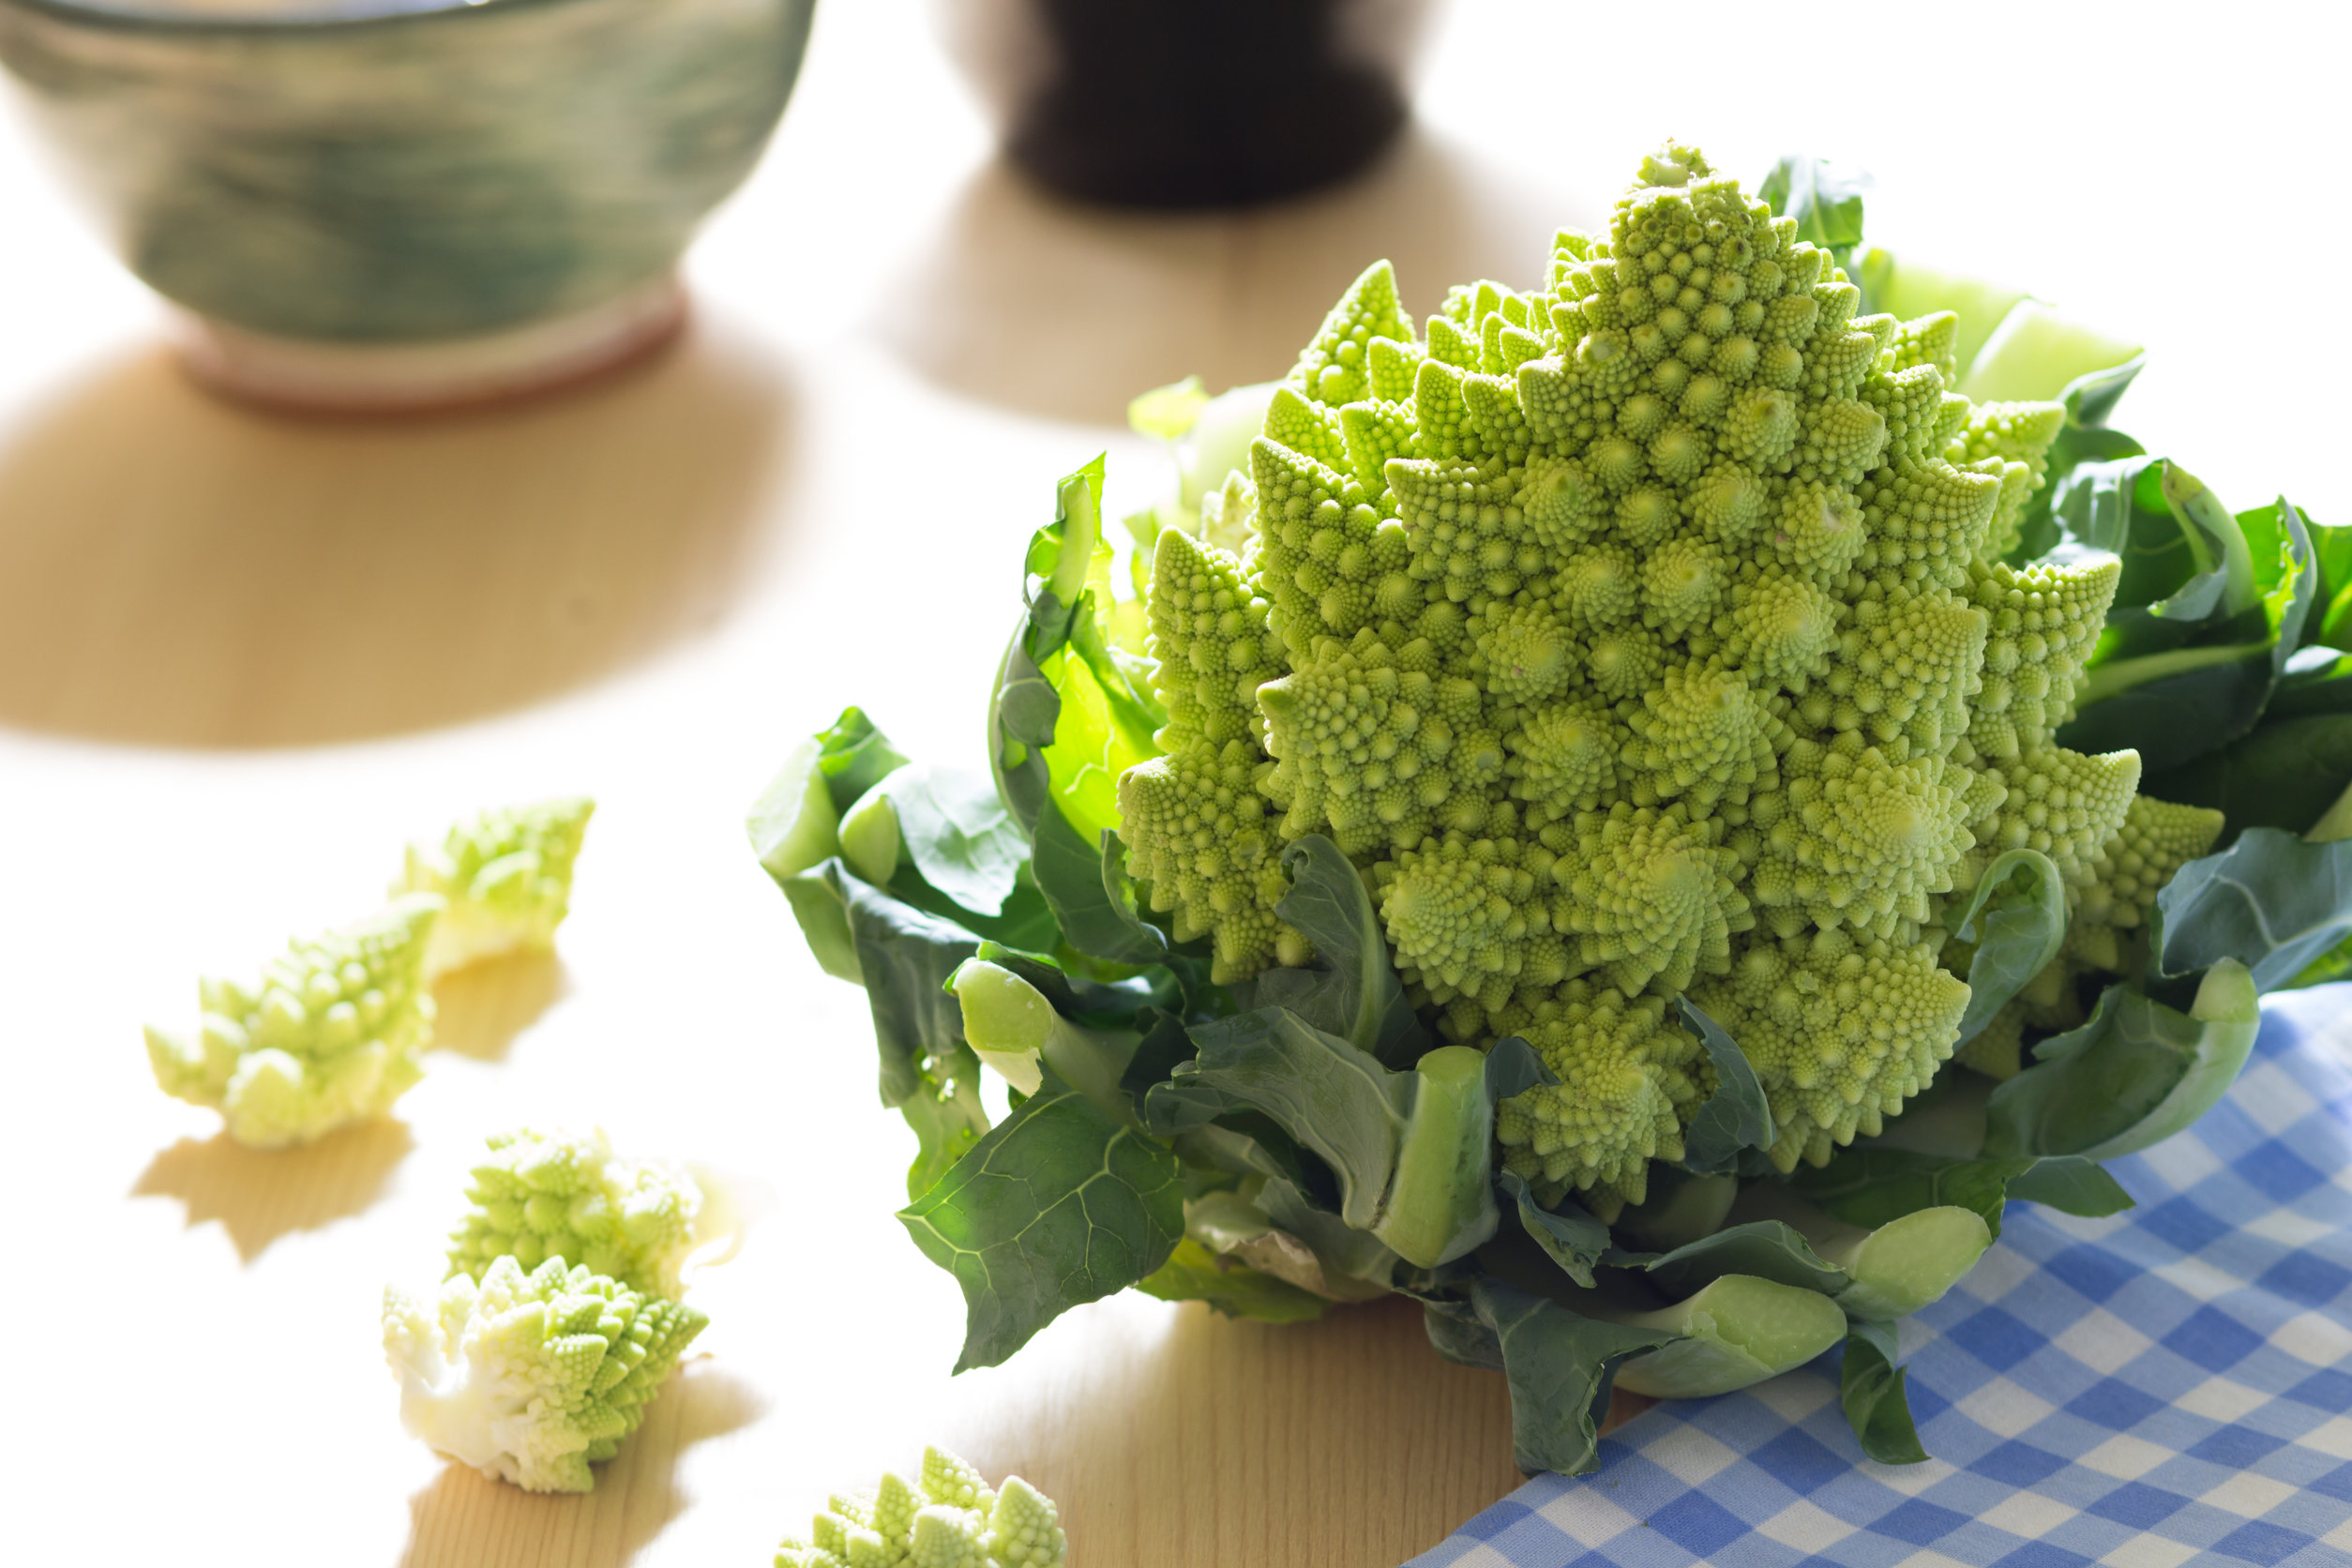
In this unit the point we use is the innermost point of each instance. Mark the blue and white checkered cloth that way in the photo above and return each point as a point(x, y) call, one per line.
point(2173, 1383)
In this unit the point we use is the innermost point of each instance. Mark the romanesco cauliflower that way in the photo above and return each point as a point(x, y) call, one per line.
point(532, 1376)
point(332, 1034)
point(558, 1194)
point(507, 878)
point(948, 1520)
point(1644, 632)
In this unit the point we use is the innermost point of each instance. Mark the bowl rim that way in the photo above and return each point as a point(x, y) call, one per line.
point(381, 13)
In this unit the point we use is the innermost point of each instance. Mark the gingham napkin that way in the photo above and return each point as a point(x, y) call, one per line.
point(2169, 1384)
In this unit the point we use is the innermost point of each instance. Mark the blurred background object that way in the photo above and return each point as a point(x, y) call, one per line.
point(1190, 104)
point(387, 205)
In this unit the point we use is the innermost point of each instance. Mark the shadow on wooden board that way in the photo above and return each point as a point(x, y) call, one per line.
point(1330, 1445)
point(181, 570)
point(480, 1009)
point(260, 1194)
point(463, 1517)
point(1028, 300)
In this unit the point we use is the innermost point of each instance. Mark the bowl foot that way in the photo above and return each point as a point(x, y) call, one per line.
point(325, 377)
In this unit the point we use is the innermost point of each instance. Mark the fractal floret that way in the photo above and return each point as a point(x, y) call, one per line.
point(332, 1034)
point(948, 1518)
point(556, 1194)
point(1642, 634)
point(506, 877)
point(530, 1376)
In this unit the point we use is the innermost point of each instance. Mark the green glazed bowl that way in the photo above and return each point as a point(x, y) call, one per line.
point(374, 204)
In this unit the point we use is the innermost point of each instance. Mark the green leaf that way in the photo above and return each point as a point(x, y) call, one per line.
point(955, 829)
point(1072, 874)
point(2071, 1185)
point(1319, 1089)
point(2133, 1074)
point(1571, 1237)
point(1514, 1068)
point(2286, 775)
point(1455, 1334)
point(1824, 198)
point(2272, 900)
point(1736, 1116)
point(1058, 1205)
point(1351, 990)
point(1166, 1044)
point(1560, 1368)
point(1193, 1274)
point(906, 957)
point(1870, 1389)
point(1869, 1185)
point(2022, 903)
point(2190, 672)
point(1022, 711)
point(792, 824)
point(2082, 438)
point(1766, 1248)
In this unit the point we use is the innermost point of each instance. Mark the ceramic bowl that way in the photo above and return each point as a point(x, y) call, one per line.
point(1189, 103)
point(383, 205)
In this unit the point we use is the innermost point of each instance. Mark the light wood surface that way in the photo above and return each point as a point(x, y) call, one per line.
point(243, 658)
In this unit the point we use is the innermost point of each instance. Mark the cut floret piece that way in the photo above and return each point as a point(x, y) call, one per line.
point(506, 877)
point(567, 1194)
point(332, 1034)
point(947, 1519)
point(531, 1378)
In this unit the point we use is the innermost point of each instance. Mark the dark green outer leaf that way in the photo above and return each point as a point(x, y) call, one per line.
point(2071, 1185)
point(1166, 1044)
point(1058, 1205)
point(1460, 1337)
point(1351, 990)
point(957, 833)
point(1321, 1091)
point(2111, 1086)
point(1736, 1116)
point(1572, 1238)
point(2270, 900)
point(1766, 1248)
point(2023, 929)
point(2286, 775)
point(1514, 1068)
point(1560, 1368)
point(1070, 873)
point(1870, 1389)
point(906, 957)
point(1868, 1185)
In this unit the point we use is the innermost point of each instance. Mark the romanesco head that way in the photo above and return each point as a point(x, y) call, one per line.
point(948, 1518)
point(507, 876)
point(566, 1195)
point(332, 1034)
point(532, 1376)
point(1641, 631)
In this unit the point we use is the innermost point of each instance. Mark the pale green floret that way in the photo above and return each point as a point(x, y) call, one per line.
point(531, 1378)
point(506, 877)
point(1643, 631)
point(949, 1518)
point(1738, 1332)
point(566, 1195)
point(1627, 1077)
point(333, 1032)
point(2157, 838)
